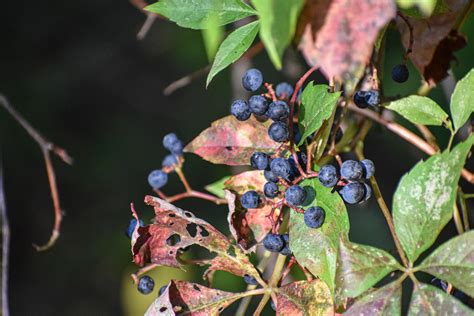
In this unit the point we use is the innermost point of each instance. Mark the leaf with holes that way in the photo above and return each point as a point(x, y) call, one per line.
point(248, 226)
point(384, 301)
point(278, 19)
point(429, 300)
point(423, 202)
point(454, 262)
point(360, 267)
point(420, 110)
point(185, 298)
point(232, 142)
point(246, 181)
point(217, 188)
point(317, 105)
point(304, 298)
point(173, 229)
point(196, 14)
point(317, 249)
point(343, 44)
point(462, 100)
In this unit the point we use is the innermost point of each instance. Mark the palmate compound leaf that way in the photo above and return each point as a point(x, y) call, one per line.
point(359, 267)
point(462, 100)
point(453, 262)
point(317, 249)
point(232, 142)
point(248, 226)
point(308, 298)
point(174, 229)
point(385, 301)
point(420, 110)
point(423, 202)
point(429, 300)
point(186, 298)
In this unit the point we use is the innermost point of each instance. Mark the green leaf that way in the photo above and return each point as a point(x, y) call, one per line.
point(195, 14)
point(278, 19)
point(317, 105)
point(385, 301)
point(212, 37)
point(233, 47)
point(217, 188)
point(420, 110)
point(360, 267)
point(317, 249)
point(462, 100)
point(453, 262)
point(423, 202)
point(425, 6)
point(429, 300)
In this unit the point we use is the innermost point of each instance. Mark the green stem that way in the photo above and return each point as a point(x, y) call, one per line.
point(451, 138)
point(457, 219)
point(465, 217)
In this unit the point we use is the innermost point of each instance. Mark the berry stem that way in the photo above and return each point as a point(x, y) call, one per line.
point(183, 179)
point(276, 275)
point(288, 269)
point(135, 276)
point(271, 92)
point(191, 194)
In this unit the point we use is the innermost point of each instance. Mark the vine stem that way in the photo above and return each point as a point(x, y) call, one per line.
point(190, 194)
point(5, 246)
point(383, 206)
point(457, 219)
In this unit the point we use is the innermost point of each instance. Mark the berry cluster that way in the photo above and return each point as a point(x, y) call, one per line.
point(158, 178)
point(277, 243)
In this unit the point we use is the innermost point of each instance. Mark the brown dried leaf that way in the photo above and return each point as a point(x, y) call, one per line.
point(174, 229)
point(305, 298)
point(185, 298)
point(232, 142)
point(248, 227)
point(245, 181)
point(342, 46)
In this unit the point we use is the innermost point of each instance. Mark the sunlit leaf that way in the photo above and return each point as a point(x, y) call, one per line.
point(217, 188)
point(419, 110)
point(311, 298)
point(462, 100)
point(212, 37)
point(246, 181)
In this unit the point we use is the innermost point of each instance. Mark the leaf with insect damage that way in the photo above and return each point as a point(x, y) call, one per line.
point(232, 142)
point(174, 229)
point(385, 301)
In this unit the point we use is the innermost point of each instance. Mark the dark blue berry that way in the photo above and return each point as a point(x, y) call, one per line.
point(259, 161)
point(314, 217)
point(328, 176)
point(372, 98)
point(367, 192)
point(284, 90)
point(169, 160)
point(162, 290)
point(440, 284)
point(352, 170)
point(286, 249)
point(131, 227)
point(270, 176)
point(368, 168)
point(146, 285)
point(270, 189)
point(173, 144)
point(250, 199)
point(240, 109)
point(460, 295)
point(280, 167)
point(353, 192)
point(157, 179)
point(295, 195)
point(296, 134)
point(273, 242)
point(252, 79)
point(258, 105)
point(250, 280)
point(278, 132)
point(400, 73)
point(278, 110)
point(359, 99)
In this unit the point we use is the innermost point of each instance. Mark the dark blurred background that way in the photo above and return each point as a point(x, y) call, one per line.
point(78, 74)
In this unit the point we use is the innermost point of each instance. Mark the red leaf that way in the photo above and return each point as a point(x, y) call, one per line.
point(305, 298)
point(245, 181)
point(232, 142)
point(248, 227)
point(342, 44)
point(185, 298)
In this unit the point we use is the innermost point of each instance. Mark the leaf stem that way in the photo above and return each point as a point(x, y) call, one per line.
point(457, 219)
point(465, 217)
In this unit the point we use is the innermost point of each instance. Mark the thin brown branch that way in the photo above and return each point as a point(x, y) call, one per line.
point(46, 147)
point(191, 194)
point(5, 245)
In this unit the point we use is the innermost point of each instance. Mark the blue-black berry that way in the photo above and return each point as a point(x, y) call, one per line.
point(250, 280)
point(284, 90)
point(250, 199)
point(367, 192)
point(296, 134)
point(351, 170)
point(259, 160)
point(372, 98)
point(328, 176)
point(258, 105)
point(286, 251)
point(131, 227)
point(162, 290)
point(240, 109)
point(252, 79)
point(278, 110)
point(280, 167)
point(368, 168)
point(314, 217)
point(273, 242)
point(157, 179)
point(278, 132)
point(270, 189)
point(169, 160)
point(353, 192)
point(270, 176)
point(173, 144)
point(400, 73)
point(146, 285)
point(295, 195)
